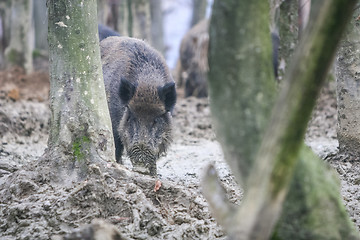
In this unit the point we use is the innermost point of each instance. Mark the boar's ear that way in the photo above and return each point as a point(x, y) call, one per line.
point(167, 94)
point(126, 91)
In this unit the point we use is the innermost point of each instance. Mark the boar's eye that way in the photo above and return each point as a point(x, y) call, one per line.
point(126, 91)
point(155, 122)
point(128, 115)
point(158, 120)
point(167, 95)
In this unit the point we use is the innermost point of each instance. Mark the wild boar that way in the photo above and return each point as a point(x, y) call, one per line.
point(105, 32)
point(193, 60)
point(193, 67)
point(141, 95)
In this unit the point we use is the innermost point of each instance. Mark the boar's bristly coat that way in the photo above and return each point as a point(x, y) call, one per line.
point(141, 95)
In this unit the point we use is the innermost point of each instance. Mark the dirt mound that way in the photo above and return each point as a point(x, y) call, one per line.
point(35, 207)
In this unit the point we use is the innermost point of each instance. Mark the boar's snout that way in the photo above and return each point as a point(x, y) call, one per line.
point(143, 159)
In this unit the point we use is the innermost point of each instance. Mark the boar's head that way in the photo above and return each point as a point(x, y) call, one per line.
point(145, 127)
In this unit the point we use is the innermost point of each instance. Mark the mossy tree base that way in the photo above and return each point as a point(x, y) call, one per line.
point(80, 131)
point(313, 208)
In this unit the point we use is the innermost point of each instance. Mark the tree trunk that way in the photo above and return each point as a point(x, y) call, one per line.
point(103, 11)
point(19, 51)
point(1, 44)
point(41, 24)
point(5, 16)
point(199, 11)
point(139, 19)
point(157, 29)
point(313, 208)
point(241, 104)
point(248, 84)
point(114, 9)
point(288, 34)
point(304, 14)
point(80, 131)
point(123, 18)
point(348, 89)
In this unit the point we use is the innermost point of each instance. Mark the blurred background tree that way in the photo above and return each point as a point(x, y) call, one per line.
point(5, 15)
point(21, 41)
point(348, 89)
point(157, 26)
point(199, 11)
point(142, 19)
point(40, 25)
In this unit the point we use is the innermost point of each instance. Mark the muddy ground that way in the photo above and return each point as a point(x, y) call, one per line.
point(35, 206)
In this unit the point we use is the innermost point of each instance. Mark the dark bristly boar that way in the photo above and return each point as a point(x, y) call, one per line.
point(193, 68)
point(105, 32)
point(141, 95)
point(193, 60)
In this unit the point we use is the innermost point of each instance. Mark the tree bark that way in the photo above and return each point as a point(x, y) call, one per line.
point(80, 131)
point(114, 7)
point(157, 29)
point(103, 11)
point(139, 19)
point(123, 18)
point(267, 175)
point(19, 51)
point(242, 60)
point(348, 93)
point(314, 208)
point(288, 33)
point(40, 24)
point(304, 14)
point(5, 16)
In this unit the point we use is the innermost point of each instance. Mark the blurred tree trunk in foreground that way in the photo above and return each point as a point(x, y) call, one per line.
point(265, 151)
point(348, 88)
point(199, 11)
point(157, 29)
point(248, 86)
point(80, 130)
point(304, 14)
point(19, 51)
